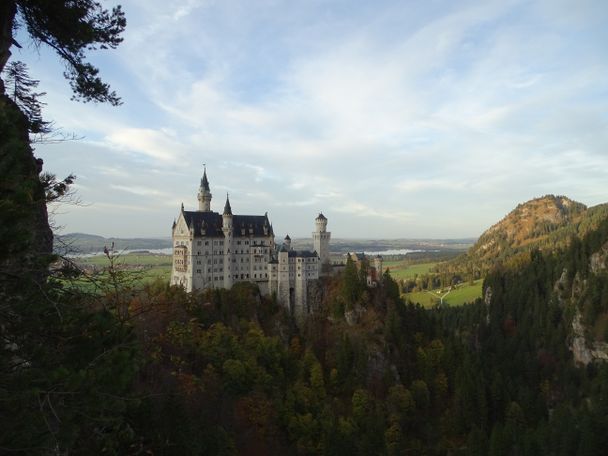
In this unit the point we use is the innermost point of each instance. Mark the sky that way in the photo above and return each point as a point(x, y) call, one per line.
point(396, 119)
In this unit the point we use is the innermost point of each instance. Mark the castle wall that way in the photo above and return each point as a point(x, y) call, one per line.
point(209, 252)
point(283, 280)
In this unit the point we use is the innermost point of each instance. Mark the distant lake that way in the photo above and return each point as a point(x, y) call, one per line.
point(393, 252)
point(167, 251)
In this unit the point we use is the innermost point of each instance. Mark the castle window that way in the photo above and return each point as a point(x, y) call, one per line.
point(199, 243)
point(206, 242)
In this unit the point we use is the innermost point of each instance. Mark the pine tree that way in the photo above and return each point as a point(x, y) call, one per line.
point(21, 89)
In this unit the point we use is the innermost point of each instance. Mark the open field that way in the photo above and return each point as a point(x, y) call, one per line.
point(138, 267)
point(459, 295)
point(402, 270)
point(131, 259)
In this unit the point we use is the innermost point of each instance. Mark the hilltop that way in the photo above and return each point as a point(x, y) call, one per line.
point(545, 223)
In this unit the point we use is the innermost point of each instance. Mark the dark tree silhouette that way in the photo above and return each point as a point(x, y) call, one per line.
point(21, 89)
point(71, 28)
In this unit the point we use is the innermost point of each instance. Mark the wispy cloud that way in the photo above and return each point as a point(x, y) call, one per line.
point(376, 114)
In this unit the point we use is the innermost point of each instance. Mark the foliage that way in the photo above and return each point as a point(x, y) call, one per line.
point(70, 29)
point(20, 88)
point(227, 372)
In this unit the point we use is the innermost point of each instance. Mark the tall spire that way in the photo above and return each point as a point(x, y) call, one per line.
point(204, 193)
point(204, 181)
point(227, 208)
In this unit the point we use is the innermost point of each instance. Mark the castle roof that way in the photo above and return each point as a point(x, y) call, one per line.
point(302, 254)
point(227, 208)
point(321, 216)
point(205, 181)
point(211, 222)
point(299, 253)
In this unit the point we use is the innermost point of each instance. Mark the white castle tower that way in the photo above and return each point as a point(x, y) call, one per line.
point(228, 250)
point(204, 194)
point(320, 239)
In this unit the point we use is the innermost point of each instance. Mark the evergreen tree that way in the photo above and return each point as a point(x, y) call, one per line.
point(21, 89)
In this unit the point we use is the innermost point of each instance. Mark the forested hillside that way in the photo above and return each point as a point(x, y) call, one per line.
point(547, 223)
point(157, 370)
point(522, 391)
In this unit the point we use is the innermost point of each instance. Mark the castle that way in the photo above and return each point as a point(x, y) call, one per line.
point(213, 250)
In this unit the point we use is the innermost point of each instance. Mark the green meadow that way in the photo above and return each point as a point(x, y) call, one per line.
point(130, 259)
point(401, 270)
point(459, 295)
point(133, 267)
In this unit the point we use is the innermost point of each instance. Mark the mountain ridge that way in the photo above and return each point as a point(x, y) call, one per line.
point(546, 223)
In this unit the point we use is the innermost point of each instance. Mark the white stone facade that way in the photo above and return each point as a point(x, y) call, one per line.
point(212, 250)
point(320, 239)
point(289, 275)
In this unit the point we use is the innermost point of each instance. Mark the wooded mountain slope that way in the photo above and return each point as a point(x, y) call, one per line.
point(545, 223)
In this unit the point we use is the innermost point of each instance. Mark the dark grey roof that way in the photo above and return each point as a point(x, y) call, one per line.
point(211, 222)
point(205, 182)
point(321, 216)
point(359, 256)
point(302, 254)
point(287, 238)
point(227, 208)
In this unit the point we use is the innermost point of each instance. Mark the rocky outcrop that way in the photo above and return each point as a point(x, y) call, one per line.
point(598, 260)
point(584, 351)
point(581, 351)
point(487, 299)
point(26, 240)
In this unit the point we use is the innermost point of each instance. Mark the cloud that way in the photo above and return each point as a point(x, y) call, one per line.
point(141, 191)
point(419, 185)
point(161, 144)
point(296, 105)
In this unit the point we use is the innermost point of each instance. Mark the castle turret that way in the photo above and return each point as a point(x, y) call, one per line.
point(320, 238)
point(287, 242)
point(378, 266)
point(228, 230)
point(204, 194)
